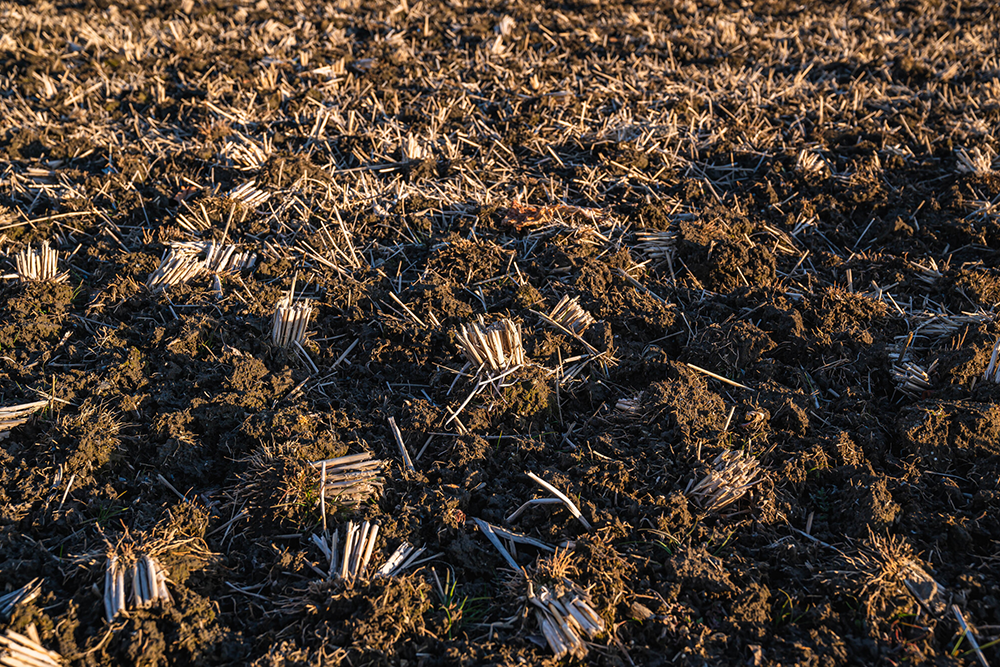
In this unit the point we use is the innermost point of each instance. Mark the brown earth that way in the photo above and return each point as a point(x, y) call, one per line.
point(828, 175)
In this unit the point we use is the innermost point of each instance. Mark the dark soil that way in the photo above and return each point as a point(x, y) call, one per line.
point(827, 173)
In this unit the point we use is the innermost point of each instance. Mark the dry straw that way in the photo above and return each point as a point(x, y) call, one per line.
point(350, 479)
point(188, 260)
point(630, 405)
point(176, 267)
point(22, 595)
point(291, 318)
point(40, 265)
point(17, 650)
point(570, 315)
point(992, 373)
point(248, 194)
point(735, 472)
point(148, 580)
point(912, 379)
point(566, 617)
point(976, 161)
point(570, 505)
point(403, 558)
point(810, 162)
point(497, 347)
point(359, 544)
point(658, 245)
point(15, 415)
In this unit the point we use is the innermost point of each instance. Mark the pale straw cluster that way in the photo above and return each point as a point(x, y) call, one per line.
point(22, 595)
point(15, 415)
point(566, 617)
point(189, 259)
point(17, 650)
point(40, 265)
point(656, 245)
point(350, 479)
point(496, 347)
point(359, 544)
point(148, 582)
point(291, 318)
point(735, 472)
point(248, 194)
point(570, 315)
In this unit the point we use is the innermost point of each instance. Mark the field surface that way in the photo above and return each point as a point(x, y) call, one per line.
point(736, 262)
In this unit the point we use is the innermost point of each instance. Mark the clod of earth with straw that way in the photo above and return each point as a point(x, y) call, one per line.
point(40, 265)
point(17, 650)
point(565, 615)
point(734, 473)
point(569, 314)
point(350, 479)
point(563, 609)
point(291, 319)
point(15, 415)
point(497, 347)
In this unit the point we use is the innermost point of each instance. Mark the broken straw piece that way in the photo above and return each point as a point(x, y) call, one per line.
point(17, 650)
point(22, 595)
point(570, 505)
point(497, 346)
point(735, 472)
point(565, 617)
point(15, 415)
point(40, 265)
point(569, 314)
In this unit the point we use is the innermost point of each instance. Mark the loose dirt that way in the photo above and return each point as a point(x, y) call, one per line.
point(825, 183)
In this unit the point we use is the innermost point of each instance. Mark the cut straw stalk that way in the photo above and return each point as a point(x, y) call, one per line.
point(402, 446)
point(497, 347)
point(291, 320)
point(569, 314)
point(565, 615)
point(40, 265)
point(404, 557)
point(570, 505)
point(992, 373)
point(359, 546)
point(734, 474)
point(17, 650)
point(656, 244)
point(22, 595)
point(174, 269)
point(912, 379)
point(350, 479)
point(15, 415)
point(248, 194)
point(187, 260)
point(148, 582)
